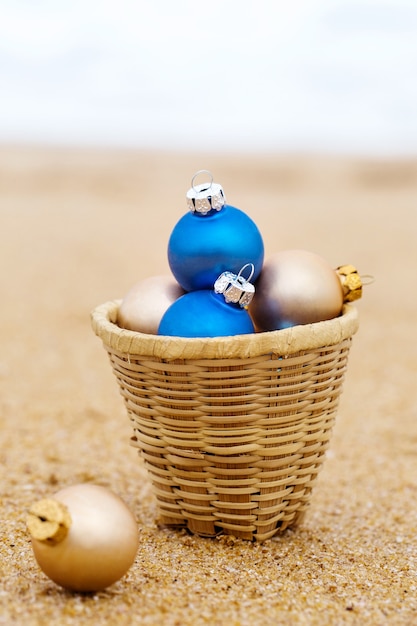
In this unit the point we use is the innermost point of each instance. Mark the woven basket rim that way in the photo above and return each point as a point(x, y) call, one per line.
point(283, 342)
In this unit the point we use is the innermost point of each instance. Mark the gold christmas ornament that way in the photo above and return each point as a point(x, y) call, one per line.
point(84, 537)
point(295, 287)
point(145, 303)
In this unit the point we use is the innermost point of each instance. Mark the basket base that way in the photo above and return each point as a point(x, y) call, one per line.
point(249, 515)
point(236, 532)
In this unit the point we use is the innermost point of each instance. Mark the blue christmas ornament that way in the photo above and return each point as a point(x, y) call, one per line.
point(212, 238)
point(207, 313)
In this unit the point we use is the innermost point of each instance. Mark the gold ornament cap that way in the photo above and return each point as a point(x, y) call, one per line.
point(205, 197)
point(49, 521)
point(351, 282)
point(235, 288)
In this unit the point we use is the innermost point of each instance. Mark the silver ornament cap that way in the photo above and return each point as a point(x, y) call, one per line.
point(205, 197)
point(235, 288)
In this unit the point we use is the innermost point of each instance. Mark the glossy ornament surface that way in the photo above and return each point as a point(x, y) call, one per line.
point(203, 313)
point(213, 237)
point(295, 287)
point(145, 303)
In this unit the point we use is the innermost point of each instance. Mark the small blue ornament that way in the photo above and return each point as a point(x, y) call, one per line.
point(207, 313)
point(212, 238)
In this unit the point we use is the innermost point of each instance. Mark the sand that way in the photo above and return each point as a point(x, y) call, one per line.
point(80, 227)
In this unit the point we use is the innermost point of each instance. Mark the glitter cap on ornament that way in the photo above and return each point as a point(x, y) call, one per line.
point(235, 288)
point(351, 282)
point(205, 197)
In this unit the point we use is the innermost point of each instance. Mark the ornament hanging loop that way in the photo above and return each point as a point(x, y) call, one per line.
point(235, 288)
point(206, 197)
point(198, 188)
point(367, 279)
point(240, 277)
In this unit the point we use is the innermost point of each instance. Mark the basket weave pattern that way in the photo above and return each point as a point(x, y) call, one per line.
point(232, 444)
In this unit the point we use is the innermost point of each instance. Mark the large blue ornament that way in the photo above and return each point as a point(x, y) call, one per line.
point(212, 238)
point(204, 313)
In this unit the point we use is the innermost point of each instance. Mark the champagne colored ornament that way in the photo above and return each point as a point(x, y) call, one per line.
point(212, 238)
point(145, 303)
point(84, 537)
point(295, 287)
point(212, 313)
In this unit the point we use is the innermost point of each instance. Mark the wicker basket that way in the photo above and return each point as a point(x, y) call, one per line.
point(232, 430)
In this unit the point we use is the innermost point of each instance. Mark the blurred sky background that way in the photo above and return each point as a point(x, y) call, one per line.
point(333, 76)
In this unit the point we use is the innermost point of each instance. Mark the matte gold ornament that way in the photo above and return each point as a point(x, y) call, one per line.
point(145, 303)
point(84, 537)
point(295, 287)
